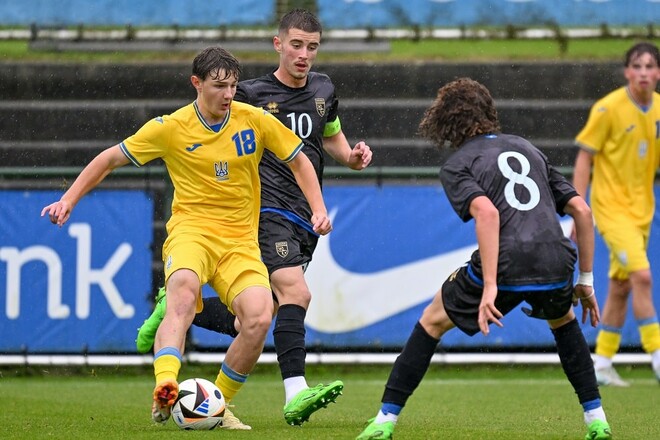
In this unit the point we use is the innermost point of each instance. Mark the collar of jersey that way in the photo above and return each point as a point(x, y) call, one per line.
point(205, 124)
point(642, 108)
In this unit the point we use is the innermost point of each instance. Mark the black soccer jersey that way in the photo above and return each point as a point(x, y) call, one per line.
point(305, 111)
point(528, 193)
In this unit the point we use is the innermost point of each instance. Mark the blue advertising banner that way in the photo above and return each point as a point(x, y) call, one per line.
point(453, 13)
point(137, 13)
point(339, 14)
point(389, 252)
point(84, 287)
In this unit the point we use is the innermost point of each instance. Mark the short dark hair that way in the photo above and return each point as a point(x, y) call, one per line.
point(212, 60)
point(463, 109)
point(300, 19)
point(640, 49)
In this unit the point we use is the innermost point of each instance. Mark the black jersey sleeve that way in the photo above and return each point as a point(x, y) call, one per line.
point(460, 187)
point(562, 189)
point(241, 94)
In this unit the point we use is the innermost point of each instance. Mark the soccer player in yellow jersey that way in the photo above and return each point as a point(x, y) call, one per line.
point(622, 140)
point(211, 148)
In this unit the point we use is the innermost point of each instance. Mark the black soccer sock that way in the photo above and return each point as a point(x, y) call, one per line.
point(576, 361)
point(289, 338)
point(410, 366)
point(216, 317)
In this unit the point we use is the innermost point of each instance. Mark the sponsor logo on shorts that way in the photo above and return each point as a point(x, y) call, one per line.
point(282, 248)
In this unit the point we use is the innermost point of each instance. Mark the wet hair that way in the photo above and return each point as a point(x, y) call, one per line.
point(640, 49)
point(300, 19)
point(463, 109)
point(212, 60)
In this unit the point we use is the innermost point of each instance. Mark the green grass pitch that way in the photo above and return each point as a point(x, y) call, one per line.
point(453, 402)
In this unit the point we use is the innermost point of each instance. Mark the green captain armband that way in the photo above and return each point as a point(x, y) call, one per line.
point(332, 128)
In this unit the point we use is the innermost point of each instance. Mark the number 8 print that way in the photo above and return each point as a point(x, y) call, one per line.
point(518, 178)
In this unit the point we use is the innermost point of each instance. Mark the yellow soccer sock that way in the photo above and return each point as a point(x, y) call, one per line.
point(167, 363)
point(229, 382)
point(608, 342)
point(649, 333)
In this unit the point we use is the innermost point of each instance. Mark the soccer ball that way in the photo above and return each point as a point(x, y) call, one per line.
point(200, 405)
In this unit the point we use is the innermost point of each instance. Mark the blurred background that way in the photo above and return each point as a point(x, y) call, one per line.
point(78, 76)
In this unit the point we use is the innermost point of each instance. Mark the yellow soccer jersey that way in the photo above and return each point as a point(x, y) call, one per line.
point(625, 141)
point(215, 175)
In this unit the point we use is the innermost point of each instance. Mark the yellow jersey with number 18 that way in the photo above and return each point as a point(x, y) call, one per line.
point(625, 140)
point(214, 172)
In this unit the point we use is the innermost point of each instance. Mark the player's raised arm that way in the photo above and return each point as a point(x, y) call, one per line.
point(106, 161)
point(356, 158)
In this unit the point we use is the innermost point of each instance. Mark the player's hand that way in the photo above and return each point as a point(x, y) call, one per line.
point(488, 313)
point(58, 212)
point(586, 295)
point(360, 156)
point(321, 223)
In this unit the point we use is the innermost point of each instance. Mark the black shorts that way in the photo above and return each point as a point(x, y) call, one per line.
point(461, 296)
point(283, 243)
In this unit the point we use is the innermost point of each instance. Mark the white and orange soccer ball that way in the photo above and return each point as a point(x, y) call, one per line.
point(200, 405)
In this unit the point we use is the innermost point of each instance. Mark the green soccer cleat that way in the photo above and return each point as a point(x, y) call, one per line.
point(308, 401)
point(147, 332)
point(598, 430)
point(377, 431)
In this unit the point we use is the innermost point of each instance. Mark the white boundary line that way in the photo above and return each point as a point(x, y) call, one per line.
point(312, 358)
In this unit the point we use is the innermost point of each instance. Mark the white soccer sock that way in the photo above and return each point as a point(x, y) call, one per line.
point(601, 362)
point(292, 386)
point(389, 417)
point(655, 359)
point(594, 414)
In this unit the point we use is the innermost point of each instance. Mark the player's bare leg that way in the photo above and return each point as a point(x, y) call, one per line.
point(183, 288)
point(609, 336)
point(254, 309)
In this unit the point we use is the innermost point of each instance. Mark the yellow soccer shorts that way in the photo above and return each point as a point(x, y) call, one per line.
point(228, 265)
point(628, 245)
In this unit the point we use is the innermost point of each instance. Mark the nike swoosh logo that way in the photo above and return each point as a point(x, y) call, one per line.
point(193, 147)
point(345, 301)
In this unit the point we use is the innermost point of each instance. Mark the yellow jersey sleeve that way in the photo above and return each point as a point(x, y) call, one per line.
point(148, 143)
point(279, 139)
point(596, 131)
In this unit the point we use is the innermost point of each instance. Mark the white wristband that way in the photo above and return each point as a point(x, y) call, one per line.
point(585, 279)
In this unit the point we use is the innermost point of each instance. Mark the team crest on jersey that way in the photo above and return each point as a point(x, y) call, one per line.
point(320, 106)
point(643, 148)
point(272, 108)
point(221, 170)
point(282, 248)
